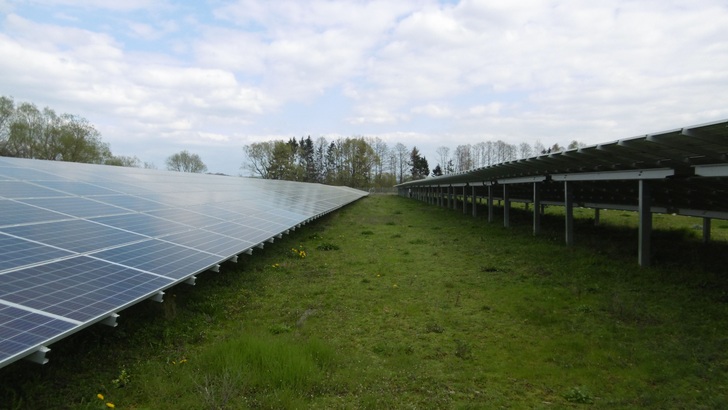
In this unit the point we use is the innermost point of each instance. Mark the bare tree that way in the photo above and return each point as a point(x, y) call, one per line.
point(538, 148)
point(463, 158)
point(402, 159)
point(443, 155)
point(260, 155)
point(524, 150)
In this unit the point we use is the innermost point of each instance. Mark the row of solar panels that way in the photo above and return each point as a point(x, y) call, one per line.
point(687, 169)
point(80, 242)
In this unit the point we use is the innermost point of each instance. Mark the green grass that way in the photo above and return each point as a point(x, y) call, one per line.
point(397, 304)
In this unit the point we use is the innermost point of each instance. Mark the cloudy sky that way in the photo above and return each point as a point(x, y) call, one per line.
point(159, 76)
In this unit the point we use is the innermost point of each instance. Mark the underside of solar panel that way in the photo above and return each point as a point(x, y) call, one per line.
point(80, 242)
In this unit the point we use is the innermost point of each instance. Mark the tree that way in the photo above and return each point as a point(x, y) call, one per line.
point(260, 155)
point(307, 159)
point(538, 148)
point(419, 167)
point(463, 158)
point(443, 154)
point(7, 110)
point(524, 150)
point(400, 156)
point(283, 161)
point(28, 132)
point(124, 161)
point(575, 144)
point(450, 167)
point(437, 171)
point(185, 162)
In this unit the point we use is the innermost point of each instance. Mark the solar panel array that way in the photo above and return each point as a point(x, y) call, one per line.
point(80, 242)
point(687, 168)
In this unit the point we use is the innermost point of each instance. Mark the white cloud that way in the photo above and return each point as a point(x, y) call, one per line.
point(432, 110)
point(429, 72)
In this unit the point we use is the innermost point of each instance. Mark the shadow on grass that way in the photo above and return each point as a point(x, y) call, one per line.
point(673, 249)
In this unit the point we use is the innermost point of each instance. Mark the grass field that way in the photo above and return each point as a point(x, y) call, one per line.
point(391, 303)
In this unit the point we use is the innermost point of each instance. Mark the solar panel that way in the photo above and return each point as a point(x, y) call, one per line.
point(80, 242)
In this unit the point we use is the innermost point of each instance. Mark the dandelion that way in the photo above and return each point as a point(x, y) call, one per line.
point(110, 405)
point(100, 396)
point(183, 361)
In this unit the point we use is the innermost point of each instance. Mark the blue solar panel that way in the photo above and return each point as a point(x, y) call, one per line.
point(159, 257)
point(20, 189)
point(76, 206)
point(16, 213)
point(21, 330)
point(79, 242)
point(223, 246)
point(18, 252)
point(79, 288)
point(76, 188)
point(194, 219)
point(133, 203)
point(75, 235)
point(142, 224)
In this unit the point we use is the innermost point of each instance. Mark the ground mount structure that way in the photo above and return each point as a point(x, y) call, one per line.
point(682, 171)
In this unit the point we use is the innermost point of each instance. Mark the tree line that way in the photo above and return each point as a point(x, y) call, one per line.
point(29, 132)
point(366, 162)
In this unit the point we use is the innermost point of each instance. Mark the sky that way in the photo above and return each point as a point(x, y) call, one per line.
point(159, 76)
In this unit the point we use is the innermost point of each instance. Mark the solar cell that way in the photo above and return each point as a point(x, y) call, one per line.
point(76, 206)
point(162, 258)
point(21, 189)
point(142, 224)
point(25, 174)
point(194, 219)
point(15, 213)
point(221, 245)
point(21, 330)
point(130, 202)
point(18, 252)
point(79, 288)
point(76, 188)
point(245, 233)
point(73, 235)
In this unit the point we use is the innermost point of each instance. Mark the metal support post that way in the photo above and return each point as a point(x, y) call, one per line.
point(706, 230)
point(645, 223)
point(536, 208)
point(506, 207)
point(465, 199)
point(475, 207)
point(569, 210)
point(490, 203)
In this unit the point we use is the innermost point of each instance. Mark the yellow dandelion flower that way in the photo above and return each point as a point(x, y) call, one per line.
point(110, 405)
point(100, 396)
point(183, 361)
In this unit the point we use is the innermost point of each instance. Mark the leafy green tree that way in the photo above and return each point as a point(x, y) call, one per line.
point(437, 171)
point(124, 161)
point(419, 166)
point(282, 163)
point(183, 161)
point(7, 110)
point(32, 133)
